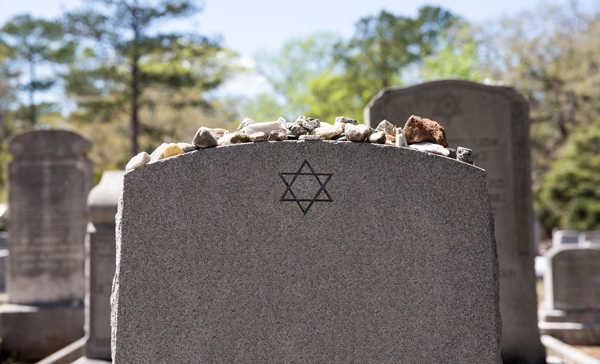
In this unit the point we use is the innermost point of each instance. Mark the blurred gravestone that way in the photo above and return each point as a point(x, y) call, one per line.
point(572, 289)
point(48, 182)
point(100, 263)
point(494, 122)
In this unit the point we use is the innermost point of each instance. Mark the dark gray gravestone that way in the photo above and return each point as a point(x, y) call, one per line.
point(572, 289)
point(494, 123)
point(306, 252)
point(100, 263)
point(49, 179)
point(48, 182)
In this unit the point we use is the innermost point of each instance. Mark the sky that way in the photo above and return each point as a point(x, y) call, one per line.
point(251, 27)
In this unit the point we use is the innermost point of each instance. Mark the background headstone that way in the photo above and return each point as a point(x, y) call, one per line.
point(100, 263)
point(572, 289)
point(288, 252)
point(560, 237)
point(494, 123)
point(48, 182)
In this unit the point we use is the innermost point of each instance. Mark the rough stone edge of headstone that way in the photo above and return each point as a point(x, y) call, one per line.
point(343, 144)
point(30, 129)
point(387, 92)
point(114, 295)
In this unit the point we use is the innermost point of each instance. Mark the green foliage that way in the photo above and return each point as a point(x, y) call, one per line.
point(27, 45)
point(325, 77)
point(128, 59)
point(456, 58)
point(570, 193)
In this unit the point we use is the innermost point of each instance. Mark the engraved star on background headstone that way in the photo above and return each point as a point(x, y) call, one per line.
point(305, 187)
point(447, 105)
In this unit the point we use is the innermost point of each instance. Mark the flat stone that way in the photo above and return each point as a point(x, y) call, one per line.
point(266, 128)
point(377, 137)
point(187, 147)
point(464, 155)
point(386, 127)
point(257, 137)
point(245, 123)
point(205, 139)
point(304, 285)
point(431, 148)
point(218, 133)
point(311, 137)
point(233, 138)
point(357, 133)
point(329, 132)
point(342, 135)
point(277, 135)
point(342, 139)
point(307, 123)
point(172, 150)
point(138, 161)
point(282, 122)
point(417, 130)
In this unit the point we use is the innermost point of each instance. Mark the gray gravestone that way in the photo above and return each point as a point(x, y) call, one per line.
point(494, 123)
point(48, 182)
point(100, 263)
point(306, 251)
point(572, 290)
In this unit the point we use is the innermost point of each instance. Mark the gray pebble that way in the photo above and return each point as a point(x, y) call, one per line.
point(452, 153)
point(311, 137)
point(204, 138)
point(464, 155)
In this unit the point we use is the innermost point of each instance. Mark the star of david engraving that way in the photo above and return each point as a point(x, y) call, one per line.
point(305, 187)
point(447, 105)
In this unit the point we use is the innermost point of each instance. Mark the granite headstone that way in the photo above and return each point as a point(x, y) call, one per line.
point(100, 263)
point(306, 251)
point(572, 290)
point(493, 122)
point(48, 182)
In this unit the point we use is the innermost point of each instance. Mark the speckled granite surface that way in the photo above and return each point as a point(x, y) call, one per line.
point(221, 260)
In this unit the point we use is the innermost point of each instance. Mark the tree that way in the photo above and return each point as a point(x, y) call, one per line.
point(570, 193)
point(129, 57)
point(457, 56)
point(552, 57)
point(30, 44)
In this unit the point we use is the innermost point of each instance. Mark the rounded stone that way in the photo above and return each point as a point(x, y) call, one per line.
point(464, 155)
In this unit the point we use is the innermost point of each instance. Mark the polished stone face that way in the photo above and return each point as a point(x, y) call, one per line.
point(49, 179)
point(395, 262)
point(493, 122)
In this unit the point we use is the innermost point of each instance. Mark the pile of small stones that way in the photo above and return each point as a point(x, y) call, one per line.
point(418, 133)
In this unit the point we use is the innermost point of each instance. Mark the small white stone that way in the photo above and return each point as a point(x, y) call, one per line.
point(158, 153)
point(400, 139)
point(266, 128)
point(431, 148)
point(138, 161)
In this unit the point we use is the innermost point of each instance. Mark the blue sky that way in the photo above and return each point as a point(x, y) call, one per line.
point(253, 26)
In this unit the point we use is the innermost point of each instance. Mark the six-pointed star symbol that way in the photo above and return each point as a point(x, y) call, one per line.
point(305, 187)
point(447, 105)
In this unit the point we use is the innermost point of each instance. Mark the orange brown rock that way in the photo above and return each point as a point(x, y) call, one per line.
point(419, 130)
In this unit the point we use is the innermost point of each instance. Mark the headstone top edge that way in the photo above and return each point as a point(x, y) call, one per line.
point(555, 250)
point(84, 145)
point(373, 148)
point(507, 90)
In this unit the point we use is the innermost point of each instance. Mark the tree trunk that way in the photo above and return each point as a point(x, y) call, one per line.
point(134, 104)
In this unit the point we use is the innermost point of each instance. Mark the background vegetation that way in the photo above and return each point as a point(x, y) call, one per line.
point(131, 87)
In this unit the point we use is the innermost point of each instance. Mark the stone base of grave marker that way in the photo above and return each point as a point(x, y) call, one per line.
point(571, 284)
point(306, 252)
point(34, 332)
